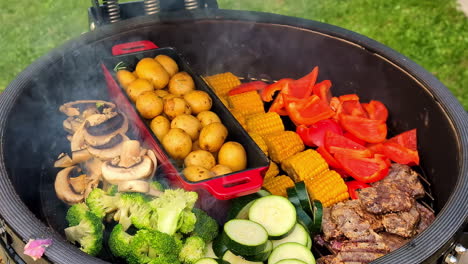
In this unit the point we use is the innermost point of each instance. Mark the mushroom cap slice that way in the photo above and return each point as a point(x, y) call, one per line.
point(79, 183)
point(63, 161)
point(63, 189)
point(140, 186)
point(78, 141)
point(115, 174)
point(76, 107)
point(81, 155)
point(109, 150)
point(130, 154)
point(94, 139)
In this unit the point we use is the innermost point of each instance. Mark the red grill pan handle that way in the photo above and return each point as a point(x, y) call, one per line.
point(131, 47)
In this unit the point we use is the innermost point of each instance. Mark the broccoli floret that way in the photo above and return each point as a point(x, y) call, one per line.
point(187, 222)
point(169, 207)
point(127, 204)
point(88, 233)
point(112, 190)
point(193, 250)
point(206, 227)
point(150, 245)
point(144, 217)
point(100, 203)
point(165, 260)
point(75, 213)
point(157, 186)
point(119, 241)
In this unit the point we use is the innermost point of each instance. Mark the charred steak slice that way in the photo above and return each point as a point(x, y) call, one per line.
point(359, 257)
point(383, 199)
point(402, 223)
point(427, 217)
point(393, 242)
point(329, 228)
point(403, 178)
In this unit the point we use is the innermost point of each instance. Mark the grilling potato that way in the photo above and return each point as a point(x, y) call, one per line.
point(149, 105)
point(138, 87)
point(220, 169)
point(199, 101)
point(160, 126)
point(189, 124)
point(181, 83)
point(232, 154)
point(125, 78)
point(196, 173)
point(161, 93)
point(176, 106)
point(212, 137)
point(168, 63)
point(177, 143)
point(195, 145)
point(153, 71)
point(208, 117)
point(200, 158)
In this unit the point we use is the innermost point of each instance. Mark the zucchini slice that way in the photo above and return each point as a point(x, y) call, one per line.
point(219, 248)
point(290, 261)
point(275, 213)
point(244, 212)
point(304, 219)
point(309, 243)
point(291, 250)
point(317, 213)
point(303, 196)
point(244, 237)
point(211, 261)
point(292, 196)
point(298, 235)
point(262, 256)
point(240, 205)
point(209, 253)
point(235, 259)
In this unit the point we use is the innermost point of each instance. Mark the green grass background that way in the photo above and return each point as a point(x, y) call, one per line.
point(431, 32)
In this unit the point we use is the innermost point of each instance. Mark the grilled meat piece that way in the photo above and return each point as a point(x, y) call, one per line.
point(402, 223)
point(393, 242)
point(329, 228)
point(330, 259)
point(403, 178)
point(384, 198)
point(427, 217)
point(358, 257)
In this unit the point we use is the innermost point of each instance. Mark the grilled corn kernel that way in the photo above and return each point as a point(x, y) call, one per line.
point(265, 123)
point(305, 164)
point(259, 141)
point(222, 83)
point(248, 103)
point(278, 185)
point(328, 187)
point(282, 145)
point(272, 171)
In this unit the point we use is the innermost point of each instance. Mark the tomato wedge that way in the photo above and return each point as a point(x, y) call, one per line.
point(247, 87)
point(314, 135)
point(364, 169)
point(328, 158)
point(376, 110)
point(335, 144)
point(372, 131)
point(354, 186)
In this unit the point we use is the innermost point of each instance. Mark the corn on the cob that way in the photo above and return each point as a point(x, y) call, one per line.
point(328, 187)
point(222, 83)
point(272, 171)
point(282, 145)
point(224, 101)
point(259, 141)
point(305, 164)
point(248, 103)
point(239, 117)
point(265, 123)
point(278, 185)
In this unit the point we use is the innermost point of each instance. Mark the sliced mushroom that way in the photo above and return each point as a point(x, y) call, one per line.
point(99, 134)
point(81, 155)
point(115, 174)
point(76, 107)
point(109, 150)
point(78, 183)
point(134, 186)
point(77, 141)
point(63, 189)
point(152, 156)
point(131, 153)
point(63, 161)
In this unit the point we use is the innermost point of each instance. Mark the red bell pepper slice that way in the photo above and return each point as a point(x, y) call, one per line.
point(400, 154)
point(314, 135)
point(278, 106)
point(376, 148)
point(407, 139)
point(335, 143)
point(306, 111)
point(354, 108)
point(335, 103)
point(322, 90)
point(328, 158)
point(354, 138)
point(372, 131)
point(247, 87)
point(348, 97)
point(354, 186)
point(364, 169)
point(376, 110)
point(269, 91)
point(304, 86)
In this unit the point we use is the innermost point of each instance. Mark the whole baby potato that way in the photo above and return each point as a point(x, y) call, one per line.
point(200, 158)
point(160, 126)
point(177, 143)
point(176, 106)
point(149, 105)
point(138, 87)
point(199, 101)
point(195, 145)
point(153, 71)
point(232, 154)
point(189, 124)
point(168, 63)
point(161, 93)
point(181, 83)
point(196, 173)
point(212, 137)
point(220, 169)
point(208, 117)
point(125, 78)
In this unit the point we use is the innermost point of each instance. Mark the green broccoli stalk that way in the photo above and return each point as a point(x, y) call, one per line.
point(169, 207)
point(193, 250)
point(119, 242)
point(75, 213)
point(152, 246)
point(206, 227)
point(100, 203)
point(127, 204)
point(88, 233)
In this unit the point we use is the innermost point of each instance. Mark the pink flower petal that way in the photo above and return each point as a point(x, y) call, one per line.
point(35, 248)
